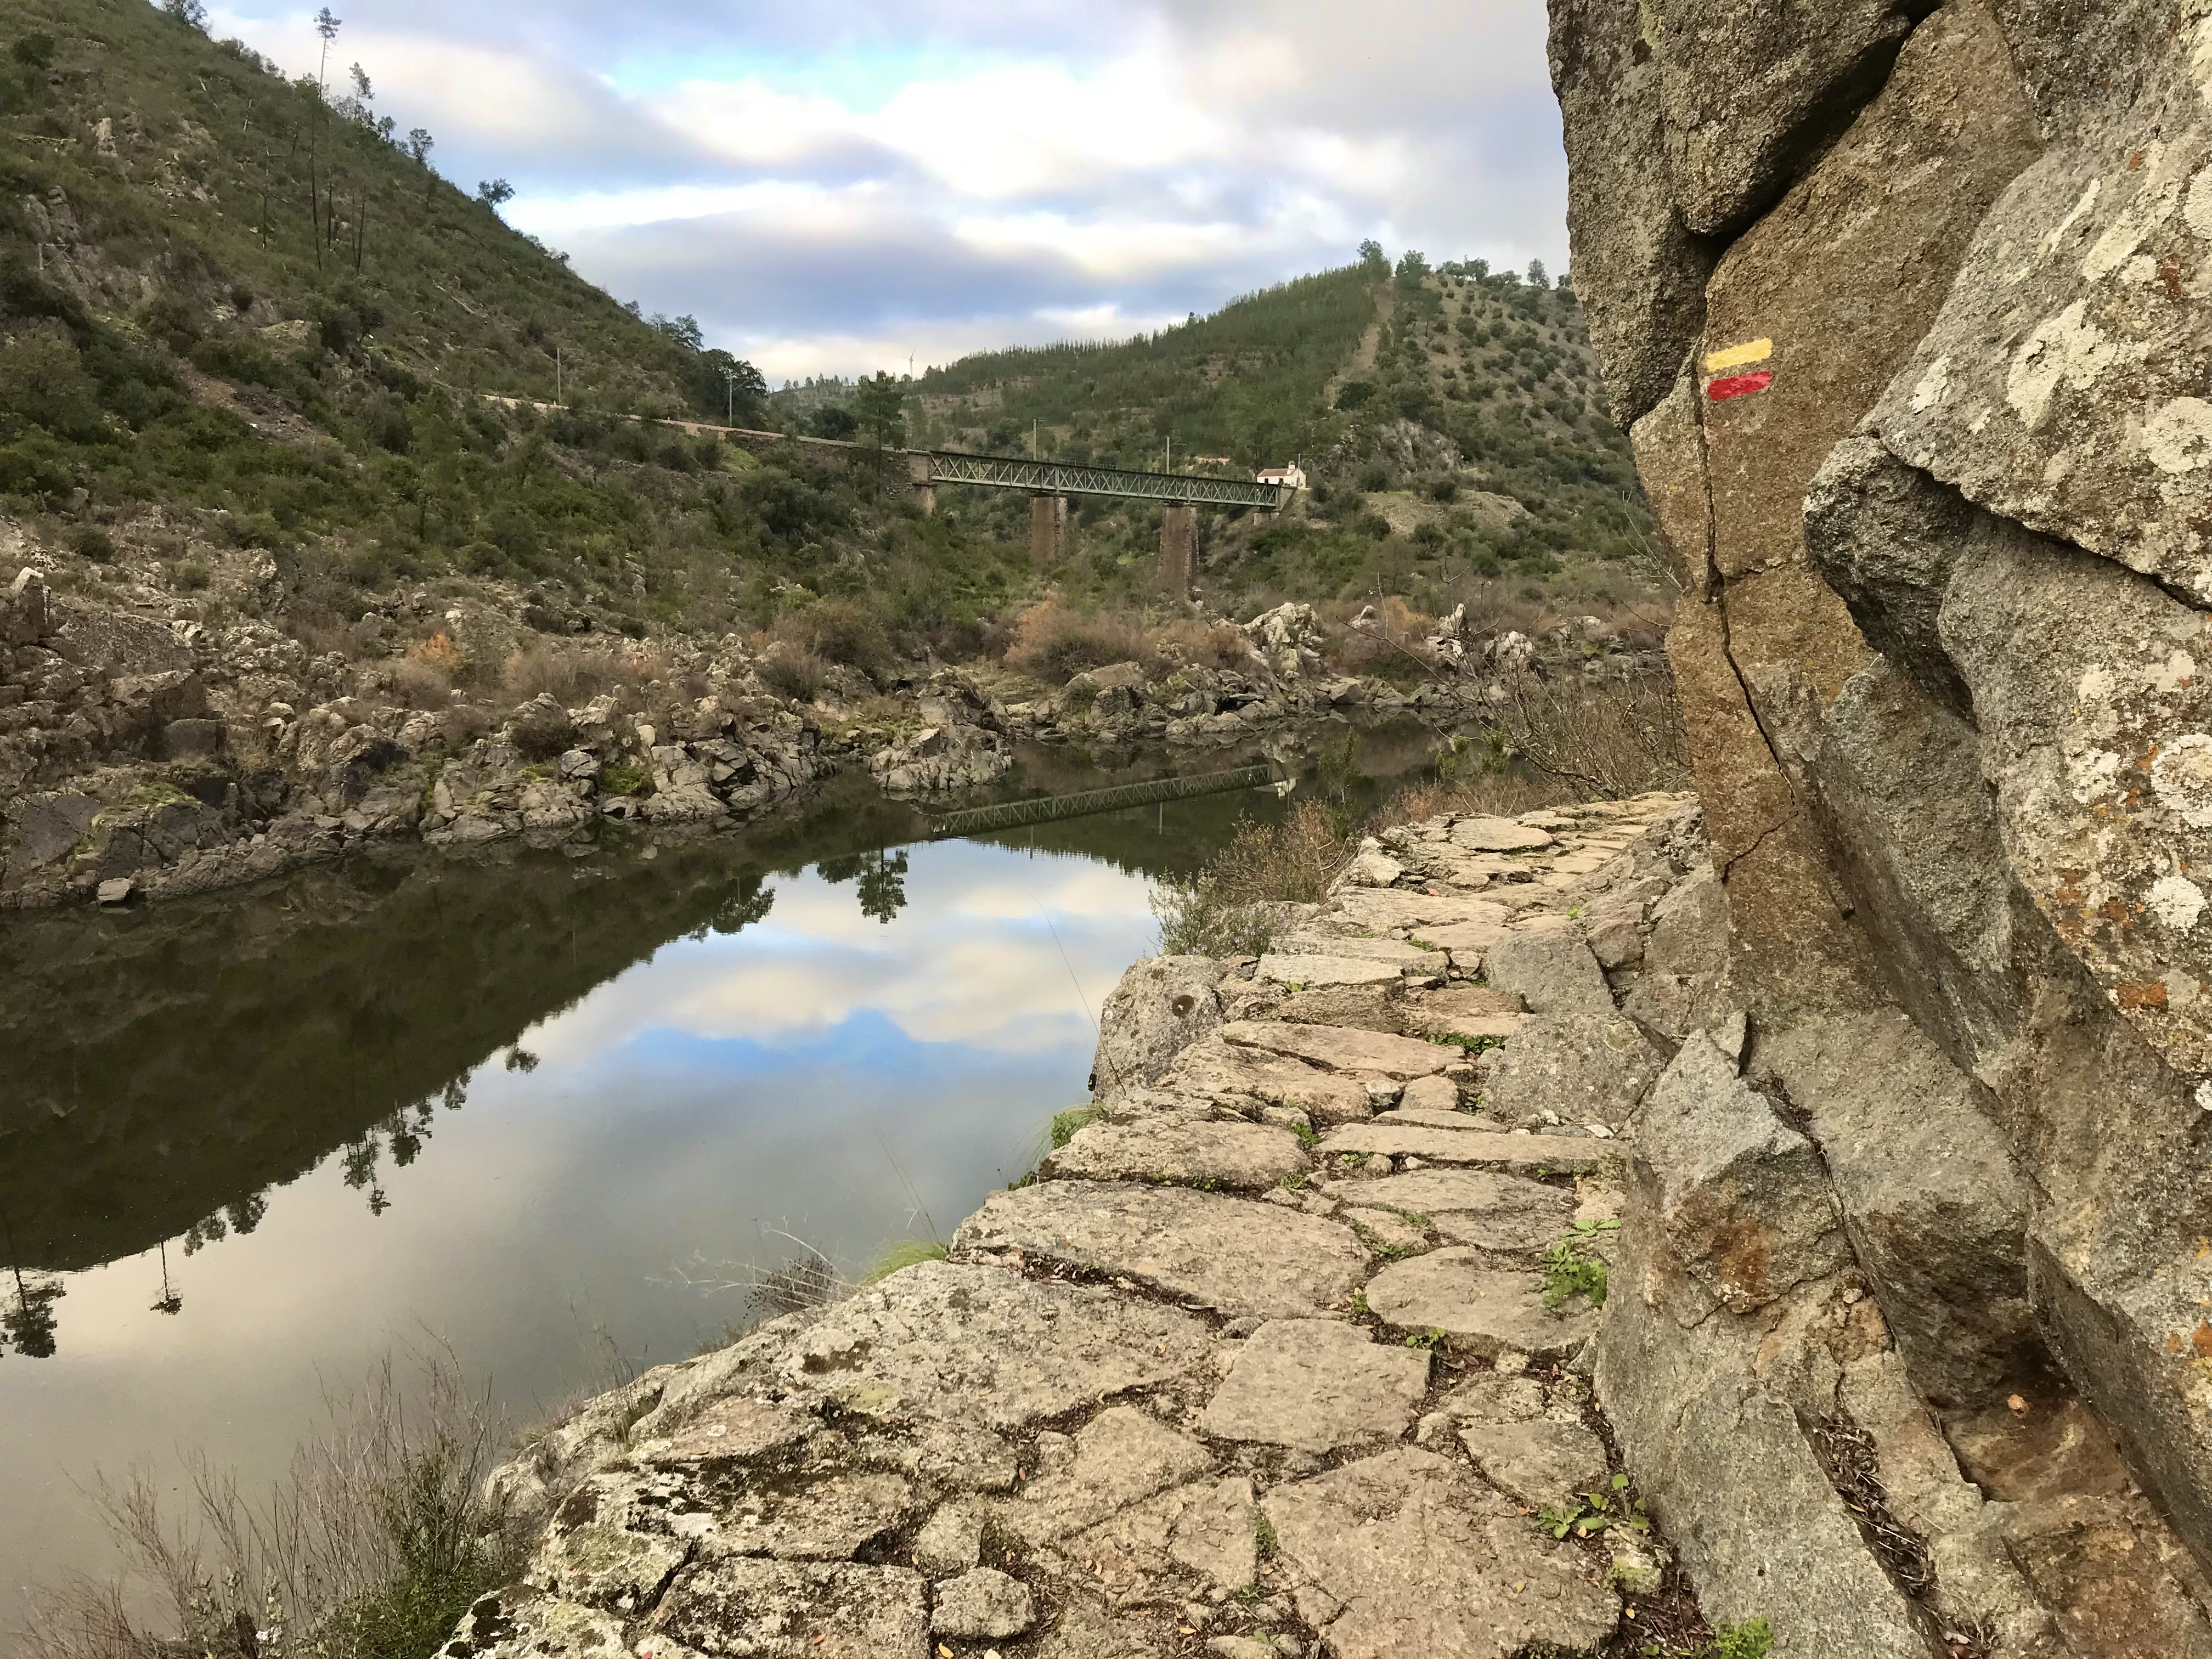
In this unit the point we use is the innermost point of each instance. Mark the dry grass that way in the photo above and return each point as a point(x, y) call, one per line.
point(1207, 645)
point(417, 684)
point(370, 1547)
point(1237, 903)
point(793, 670)
point(1054, 641)
point(572, 677)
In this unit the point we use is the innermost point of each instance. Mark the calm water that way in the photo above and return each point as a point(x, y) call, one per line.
point(534, 1107)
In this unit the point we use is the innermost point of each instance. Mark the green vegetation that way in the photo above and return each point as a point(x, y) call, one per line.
point(1065, 1125)
point(905, 1254)
point(1585, 1514)
point(1573, 1269)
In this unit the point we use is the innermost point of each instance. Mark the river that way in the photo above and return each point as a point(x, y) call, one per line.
point(547, 1109)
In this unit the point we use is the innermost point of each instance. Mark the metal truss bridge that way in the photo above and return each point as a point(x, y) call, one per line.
point(1061, 478)
point(1047, 808)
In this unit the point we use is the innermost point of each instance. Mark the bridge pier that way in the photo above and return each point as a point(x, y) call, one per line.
point(1178, 549)
point(1047, 529)
point(922, 478)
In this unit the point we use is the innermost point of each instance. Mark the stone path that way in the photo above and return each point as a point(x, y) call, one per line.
point(1260, 1363)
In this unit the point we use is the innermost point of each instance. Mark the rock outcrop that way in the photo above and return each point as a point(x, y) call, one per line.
point(1912, 308)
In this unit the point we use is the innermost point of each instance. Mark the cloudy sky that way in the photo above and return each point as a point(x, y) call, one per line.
point(832, 185)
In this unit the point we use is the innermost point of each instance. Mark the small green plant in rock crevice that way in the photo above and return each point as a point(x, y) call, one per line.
point(1752, 1639)
point(1587, 1513)
point(1572, 1269)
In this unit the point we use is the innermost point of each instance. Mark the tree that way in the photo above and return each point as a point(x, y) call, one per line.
point(190, 13)
point(493, 192)
point(327, 27)
point(879, 405)
point(1537, 278)
point(420, 143)
point(1412, 265)
point(30, 1323)
point(1372, 258)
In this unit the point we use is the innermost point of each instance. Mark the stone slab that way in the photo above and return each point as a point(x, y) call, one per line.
point(1221, 1152)
point(799, 1610)
point(1208, 1528)
point(1537, 1463)
point(1119, 1457)
point(1407, 1553)
point(1304, 971)
point(1502, 1214)
point(1316, 1384)
point(1487, 1311)
point(1390, 911)
point(1498, 835)
point(1397, 952)
point(1229, 1254)
point(1218, 1069)
point(951, 1343)
point(1345, 1048)
point(1569, 1154)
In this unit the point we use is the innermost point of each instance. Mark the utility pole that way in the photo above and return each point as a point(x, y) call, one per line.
point(730, 381)
point(556, 374)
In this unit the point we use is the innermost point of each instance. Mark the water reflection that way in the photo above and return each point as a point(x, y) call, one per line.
point(248, 1146)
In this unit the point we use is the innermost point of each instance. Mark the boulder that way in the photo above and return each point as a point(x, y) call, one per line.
point(1483, 1309)
point(1549, 969)
point(1573, 1068)
point(1158, 1007)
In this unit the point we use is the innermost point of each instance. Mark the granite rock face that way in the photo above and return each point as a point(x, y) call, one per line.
point(1934, 468)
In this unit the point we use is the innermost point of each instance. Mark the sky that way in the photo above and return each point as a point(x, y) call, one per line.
point(840, 186)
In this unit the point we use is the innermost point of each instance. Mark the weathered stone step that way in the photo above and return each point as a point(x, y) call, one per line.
point(1316, 1384)
point(1409, 1556)
point(1571, 1153)
point(1216, 1069)
point(1344, 1047)
point(1313, 972)
point(1396, 952)
point(1227, 1254)
point(1483, 1308)
point(1416, 1117)
point(1226, 1153)
point(1500, 1212)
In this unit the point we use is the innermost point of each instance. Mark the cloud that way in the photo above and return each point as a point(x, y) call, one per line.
point(830, 187)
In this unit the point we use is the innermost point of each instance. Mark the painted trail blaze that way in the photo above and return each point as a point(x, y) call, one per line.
point(1740, 386)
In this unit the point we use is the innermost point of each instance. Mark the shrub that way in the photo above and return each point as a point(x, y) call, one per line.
point(621, 779)
point(1056, 643)
point(94, 544)
point(462, 725)
point(573, 677)
point(1236, 904)
point(840, 631)
point(906, 1253)
point(542, 730)
point(1212, 645)
point(418, 684)
point(793, 672)
point(190, 576)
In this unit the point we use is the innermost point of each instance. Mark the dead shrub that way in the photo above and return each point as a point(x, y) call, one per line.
point(541, 730)
point(1206, 644)
point(793, 672)
point(1609, 738)
point(417, 684)
point(573, 677)
point(462, 725)
point(1056, 643)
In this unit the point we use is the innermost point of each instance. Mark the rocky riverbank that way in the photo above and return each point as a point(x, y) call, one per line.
point(1303, 1345)
point(146, 753)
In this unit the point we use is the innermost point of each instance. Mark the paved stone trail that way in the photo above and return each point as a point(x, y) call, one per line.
point(1258, 1365)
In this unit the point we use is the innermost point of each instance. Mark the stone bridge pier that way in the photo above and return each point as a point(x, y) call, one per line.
point(922, 478)
point(1047, 529)
point(1178, 549)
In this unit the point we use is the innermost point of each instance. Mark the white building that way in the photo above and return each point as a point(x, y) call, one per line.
point(1292, 477)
